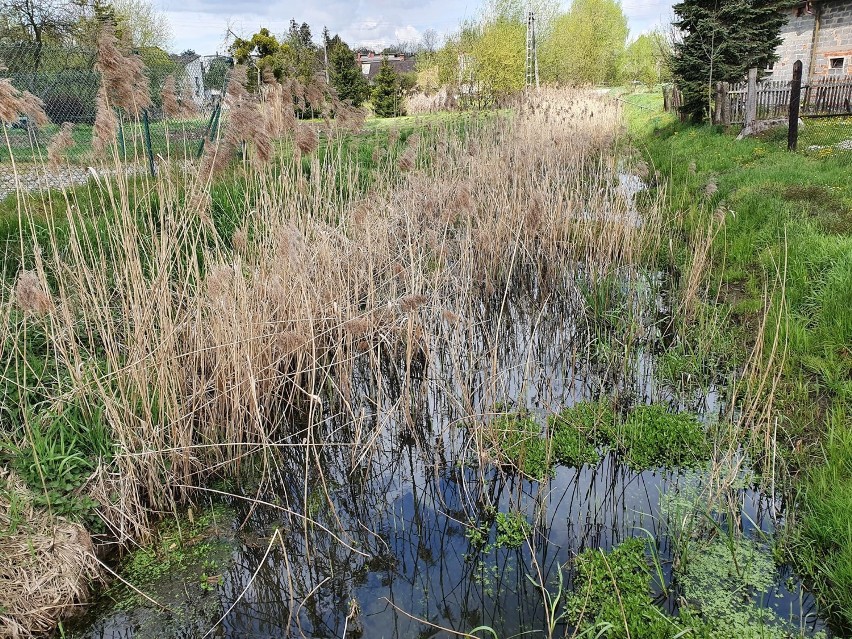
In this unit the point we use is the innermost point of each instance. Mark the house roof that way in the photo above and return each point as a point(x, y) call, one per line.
point(400, 66)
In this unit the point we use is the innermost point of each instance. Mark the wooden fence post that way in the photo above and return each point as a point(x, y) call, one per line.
point(726, 104)
point(751, 99)
point(717, 106)
point(795, 96)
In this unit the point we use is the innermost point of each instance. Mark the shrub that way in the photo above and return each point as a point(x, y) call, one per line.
point(67, 107)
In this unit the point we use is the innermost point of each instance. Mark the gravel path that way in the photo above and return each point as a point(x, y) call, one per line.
point(38, 178)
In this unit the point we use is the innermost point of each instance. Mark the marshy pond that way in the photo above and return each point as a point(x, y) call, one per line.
point(423, 513)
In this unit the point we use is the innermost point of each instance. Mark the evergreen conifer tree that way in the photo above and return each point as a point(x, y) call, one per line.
point(387, 93)
point(344, 74)
point(722, 40)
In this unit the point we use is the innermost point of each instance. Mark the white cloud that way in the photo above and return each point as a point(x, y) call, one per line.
point(202, 24)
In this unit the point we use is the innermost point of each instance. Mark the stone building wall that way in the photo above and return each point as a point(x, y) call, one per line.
point(832, 37)
point(834, 40)
point(797, 35)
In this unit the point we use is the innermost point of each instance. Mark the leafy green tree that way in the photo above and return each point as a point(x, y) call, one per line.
point(343, 72)
point(498, 58)
point(262, 45)
point(721, 42)
point(586, 44)
point(644, 60)
point(387, 92)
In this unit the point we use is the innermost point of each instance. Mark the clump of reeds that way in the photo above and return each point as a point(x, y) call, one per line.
point(233, 334)
point(14, 103)
point(61, 143)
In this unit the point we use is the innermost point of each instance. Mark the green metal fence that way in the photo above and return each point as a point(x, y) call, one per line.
point(65, 80)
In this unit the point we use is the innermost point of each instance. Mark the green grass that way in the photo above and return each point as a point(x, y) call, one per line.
point(174, 138)
point(788, 230)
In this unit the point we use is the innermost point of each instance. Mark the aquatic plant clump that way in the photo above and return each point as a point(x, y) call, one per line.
point(517, 442)
point(612, 594)
point(654, 437)
point(593, 421)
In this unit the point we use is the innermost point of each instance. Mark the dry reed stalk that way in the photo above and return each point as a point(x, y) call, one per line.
point(61, 143)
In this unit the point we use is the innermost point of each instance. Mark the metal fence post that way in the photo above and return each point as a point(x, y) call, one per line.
point(207, 131)
point(121, 136)
point(795, 97)
point(147, 130)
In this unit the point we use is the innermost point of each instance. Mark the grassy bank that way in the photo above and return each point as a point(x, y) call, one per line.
point(781, 271)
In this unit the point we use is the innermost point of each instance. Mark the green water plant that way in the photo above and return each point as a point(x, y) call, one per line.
point(612, 595)
point(518, 442)
point(512, 529)
point(654, 437)
point(578, 429)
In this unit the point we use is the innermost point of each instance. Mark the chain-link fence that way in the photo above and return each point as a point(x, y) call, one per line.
point(185, 91)
point(826, 136)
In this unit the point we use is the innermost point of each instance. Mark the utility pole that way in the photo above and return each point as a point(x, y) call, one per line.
point(531, 71)
point(325, 51)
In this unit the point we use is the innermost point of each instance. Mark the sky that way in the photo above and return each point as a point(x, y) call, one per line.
point(203, 25)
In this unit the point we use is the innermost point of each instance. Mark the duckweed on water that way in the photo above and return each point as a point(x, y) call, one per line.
point(722, 580)
point(182, 545)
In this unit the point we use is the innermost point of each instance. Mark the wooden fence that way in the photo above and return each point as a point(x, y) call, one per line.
point(823, 96)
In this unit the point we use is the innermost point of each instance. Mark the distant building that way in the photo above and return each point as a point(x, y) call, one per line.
point(819, 33)
point(195, 68)
point(370, 62)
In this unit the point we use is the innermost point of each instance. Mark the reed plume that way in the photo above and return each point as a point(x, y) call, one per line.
point(14, 103)
point(61, 143)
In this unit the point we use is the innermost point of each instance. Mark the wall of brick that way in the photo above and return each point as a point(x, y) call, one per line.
point(833, 41)
point(797, 37)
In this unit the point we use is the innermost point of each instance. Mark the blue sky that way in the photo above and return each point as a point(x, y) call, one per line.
point(202, 25)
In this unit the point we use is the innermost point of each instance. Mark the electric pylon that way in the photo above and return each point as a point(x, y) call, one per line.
point(532, 56)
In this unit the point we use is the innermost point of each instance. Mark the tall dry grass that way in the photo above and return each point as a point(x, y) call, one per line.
point(195, 362)
point(206, 353)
